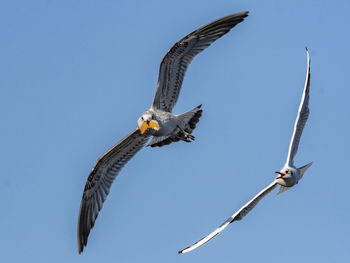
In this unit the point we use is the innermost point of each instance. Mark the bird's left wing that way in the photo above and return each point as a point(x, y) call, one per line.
point(302, 116)
point(174, 64)
point(244, 210)
point(100, 180)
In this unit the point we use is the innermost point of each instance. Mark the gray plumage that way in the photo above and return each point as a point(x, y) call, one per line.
point(174, 64)
point(186, 123)
point(100, 180)
point(158, 121)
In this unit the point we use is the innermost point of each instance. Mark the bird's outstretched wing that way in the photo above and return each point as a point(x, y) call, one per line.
point(244, 210)
point(303, 114)
point(174, 64)
point(100, 180)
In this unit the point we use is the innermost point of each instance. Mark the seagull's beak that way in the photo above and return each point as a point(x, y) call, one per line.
point(149, 124)
point(281, 175)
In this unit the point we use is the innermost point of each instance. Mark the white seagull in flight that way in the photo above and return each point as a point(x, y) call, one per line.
point(158, 121)
point(288, 176)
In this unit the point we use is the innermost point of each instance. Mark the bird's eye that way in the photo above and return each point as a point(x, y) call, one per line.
point(286, 171)
point(141, 117)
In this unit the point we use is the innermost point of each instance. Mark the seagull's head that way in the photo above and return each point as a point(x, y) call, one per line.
point(286, 176)
point(148, 122)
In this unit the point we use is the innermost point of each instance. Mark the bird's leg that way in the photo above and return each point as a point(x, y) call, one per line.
point(187, 137)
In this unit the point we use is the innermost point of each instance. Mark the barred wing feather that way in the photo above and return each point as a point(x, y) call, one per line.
point(174, 64)
point(100, 180)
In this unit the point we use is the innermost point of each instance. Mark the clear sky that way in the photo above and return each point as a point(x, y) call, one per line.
point(76, 75)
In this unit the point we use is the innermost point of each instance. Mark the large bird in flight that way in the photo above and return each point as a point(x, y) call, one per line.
point(288, 176)
point(158, 121)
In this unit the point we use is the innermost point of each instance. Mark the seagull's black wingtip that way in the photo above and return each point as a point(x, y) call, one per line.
point(244, 14)
point(80, 248)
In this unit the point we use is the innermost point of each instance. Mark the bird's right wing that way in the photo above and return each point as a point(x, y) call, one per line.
point(302, 116)
point(244, 210)
point(174, 64)
point(100, 180)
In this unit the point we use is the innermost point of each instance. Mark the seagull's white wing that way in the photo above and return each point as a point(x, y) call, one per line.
point(174, 64)
point(100, 180)
point(303, 114)
point(244, 210)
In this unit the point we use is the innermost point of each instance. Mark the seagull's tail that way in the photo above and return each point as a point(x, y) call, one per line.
point(188, 120)
point(302, 170)
point(282, 189)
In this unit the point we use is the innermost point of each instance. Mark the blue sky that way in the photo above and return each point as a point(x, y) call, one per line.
point(76, 75)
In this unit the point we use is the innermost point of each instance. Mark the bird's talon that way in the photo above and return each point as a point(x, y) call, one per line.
point(189, 136)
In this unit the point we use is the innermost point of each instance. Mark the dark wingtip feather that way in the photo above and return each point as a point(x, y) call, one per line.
point(195, 119)
point(80, 230)
point(83, 231)
point(85, 223)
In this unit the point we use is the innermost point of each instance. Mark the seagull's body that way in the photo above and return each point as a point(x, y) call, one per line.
point(287, 177)
point(158, 121)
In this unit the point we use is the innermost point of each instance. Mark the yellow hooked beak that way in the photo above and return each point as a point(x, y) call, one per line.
point(149, 124)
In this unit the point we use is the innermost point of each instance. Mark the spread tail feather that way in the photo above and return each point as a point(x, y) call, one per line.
point(189, 120)
point(303, 169)
point(282, 189)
